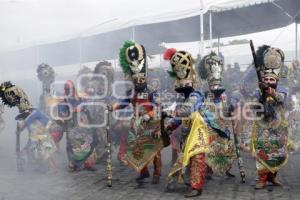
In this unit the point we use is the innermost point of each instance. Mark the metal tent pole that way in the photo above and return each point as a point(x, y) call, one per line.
point(218, 45)
point(210, 30)
point(38, 56)
point(80, 51)
point(133, 33)
point(201, 43)
point(296, 42)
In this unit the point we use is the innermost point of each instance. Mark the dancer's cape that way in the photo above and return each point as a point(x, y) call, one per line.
point(143, 146)
point(269, 144)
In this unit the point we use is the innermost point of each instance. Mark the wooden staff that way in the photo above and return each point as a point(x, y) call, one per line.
point(164, 134)
point(109, 162)
point(18, 151)
point(240, 159)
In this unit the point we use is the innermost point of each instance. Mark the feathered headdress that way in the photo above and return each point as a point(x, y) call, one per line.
point(12, 95)
point(168, 54)
point(3, 89)
point(122, 56)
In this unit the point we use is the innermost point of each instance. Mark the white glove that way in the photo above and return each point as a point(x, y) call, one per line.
point(146, 117)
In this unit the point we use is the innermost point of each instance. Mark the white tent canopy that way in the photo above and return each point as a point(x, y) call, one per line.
point(27, 23)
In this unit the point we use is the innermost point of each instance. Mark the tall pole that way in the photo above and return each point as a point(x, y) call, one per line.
point(108, 149)
point(80, 50)
point(20, 162)
point(201, 43)
point(133, 33)
point(201, 35)
point(38, 59)
point(218, 45)
point(210, 29)
point(296, 42)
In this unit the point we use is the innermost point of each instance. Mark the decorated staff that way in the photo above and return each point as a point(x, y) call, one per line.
point(109, 161)
point(100, 84)
point(103, 73)
point(239, 157)
point(2, 122)
point(20, 161)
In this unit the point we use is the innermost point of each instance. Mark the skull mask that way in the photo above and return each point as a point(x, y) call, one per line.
point(135, 56)
point(214, 67)
point(210, 69)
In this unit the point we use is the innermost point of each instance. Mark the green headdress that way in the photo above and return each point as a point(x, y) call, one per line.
point(122, 56)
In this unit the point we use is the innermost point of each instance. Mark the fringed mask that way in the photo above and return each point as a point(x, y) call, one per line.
point(182, 69)
point(132, 59)
point(13, 95)
point(211, 69)
point(271, 61)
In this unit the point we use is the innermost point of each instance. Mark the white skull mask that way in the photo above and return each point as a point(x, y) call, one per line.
point(136, 66)
point(214, 68)
point(135, 56)
point(216, 71)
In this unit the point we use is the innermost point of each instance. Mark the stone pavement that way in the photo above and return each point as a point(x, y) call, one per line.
point(86, 185)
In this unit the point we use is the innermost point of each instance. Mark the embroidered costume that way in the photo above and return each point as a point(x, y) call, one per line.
point(194, 132)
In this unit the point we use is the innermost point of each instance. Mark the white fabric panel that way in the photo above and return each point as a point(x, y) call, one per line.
point(26, 23)
point(222, 5)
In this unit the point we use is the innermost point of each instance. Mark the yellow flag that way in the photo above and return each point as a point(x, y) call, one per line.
point(197, 141)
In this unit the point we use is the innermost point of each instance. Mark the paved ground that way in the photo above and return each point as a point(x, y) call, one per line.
point(92, 185)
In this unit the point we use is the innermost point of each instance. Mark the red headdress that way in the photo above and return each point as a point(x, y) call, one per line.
point(169, 53)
